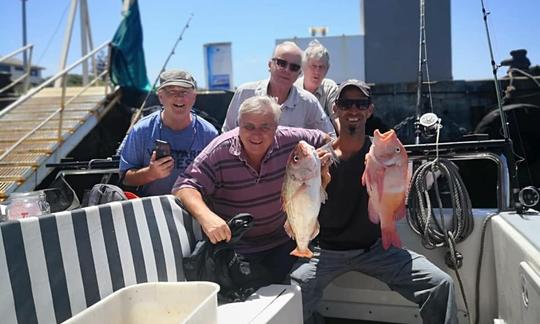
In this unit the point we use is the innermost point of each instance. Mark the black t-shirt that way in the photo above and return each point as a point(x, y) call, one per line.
point(344, 217)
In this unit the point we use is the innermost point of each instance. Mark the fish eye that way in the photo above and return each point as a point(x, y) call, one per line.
point(398, 149)
point(296, 158)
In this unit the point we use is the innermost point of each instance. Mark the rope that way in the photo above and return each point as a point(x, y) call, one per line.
point(436, 231)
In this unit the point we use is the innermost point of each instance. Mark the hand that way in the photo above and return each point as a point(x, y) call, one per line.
point(161, 168)
point(216, 229)
point(325, 156)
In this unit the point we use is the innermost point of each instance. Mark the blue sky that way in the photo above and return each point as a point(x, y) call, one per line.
point(253, 27)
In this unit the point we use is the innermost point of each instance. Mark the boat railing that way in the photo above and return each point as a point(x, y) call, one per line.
point(25, 77)
point(62, 76)
point(460, 151)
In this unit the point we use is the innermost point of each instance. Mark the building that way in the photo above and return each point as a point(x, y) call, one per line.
point(15, 67)
point(386, 50)
point(392, 29)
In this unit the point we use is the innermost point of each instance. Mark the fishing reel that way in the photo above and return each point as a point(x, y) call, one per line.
point(429, 124)
point(529, 196)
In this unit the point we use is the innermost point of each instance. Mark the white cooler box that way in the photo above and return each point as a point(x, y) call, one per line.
point(156, 303)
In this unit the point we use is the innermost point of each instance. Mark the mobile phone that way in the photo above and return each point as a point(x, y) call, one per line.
point(162, 149)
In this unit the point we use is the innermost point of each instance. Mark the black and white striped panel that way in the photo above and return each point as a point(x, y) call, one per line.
point(55, 266)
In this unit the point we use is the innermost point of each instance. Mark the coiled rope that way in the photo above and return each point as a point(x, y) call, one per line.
point(438, 232)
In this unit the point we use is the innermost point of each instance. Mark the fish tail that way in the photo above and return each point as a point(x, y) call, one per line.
point(302, 254)
point(390, 237)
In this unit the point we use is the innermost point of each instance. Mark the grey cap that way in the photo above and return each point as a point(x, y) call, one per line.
point(177, 78)
point(361, 85)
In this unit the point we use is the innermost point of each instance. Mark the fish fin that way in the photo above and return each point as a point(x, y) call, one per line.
point(379, 182)
point(324, 195)
point(288, 229)
point(325, 176)
point(302, 254)
point(401, 212)
point(315, 231)
point(373, 214)
point(390, 237)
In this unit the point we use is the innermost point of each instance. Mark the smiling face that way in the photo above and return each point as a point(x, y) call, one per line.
point(282, 74)
point(353, 118)
point(256, 131)
point(177, 102)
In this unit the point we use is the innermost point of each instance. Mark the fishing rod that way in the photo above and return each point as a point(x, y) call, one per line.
point(426, 123)
point(495, 67)
point(138, 114)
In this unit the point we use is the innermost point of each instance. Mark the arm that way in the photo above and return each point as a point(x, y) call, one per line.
point(213, 226)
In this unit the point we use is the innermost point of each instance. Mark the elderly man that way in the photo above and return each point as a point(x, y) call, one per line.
point(186, 133)
point(299, 107)
point(242, 171)
point(315, 65)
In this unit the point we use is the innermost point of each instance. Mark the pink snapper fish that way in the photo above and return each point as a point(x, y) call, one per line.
point(387, 180)
point(302, 194)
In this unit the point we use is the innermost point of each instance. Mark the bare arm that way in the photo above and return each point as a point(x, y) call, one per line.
point(213, 226)
point(157, 169)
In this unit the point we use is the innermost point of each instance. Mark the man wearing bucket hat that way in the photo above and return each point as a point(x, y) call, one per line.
point(175, 128)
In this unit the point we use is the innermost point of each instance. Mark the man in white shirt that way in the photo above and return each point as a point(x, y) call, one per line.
point(299, 107)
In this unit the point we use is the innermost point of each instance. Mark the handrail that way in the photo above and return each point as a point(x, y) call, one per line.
point(26, 75)
point(62, 105)
point(51, 80)
point(503, 176)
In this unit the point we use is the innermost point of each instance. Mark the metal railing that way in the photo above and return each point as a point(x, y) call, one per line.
point(25, 77)
point(63, 103)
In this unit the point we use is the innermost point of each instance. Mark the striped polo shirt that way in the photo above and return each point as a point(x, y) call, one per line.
point(230, 186)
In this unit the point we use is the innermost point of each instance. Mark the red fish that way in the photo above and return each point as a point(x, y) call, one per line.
point(302, 195)
point(387, 181)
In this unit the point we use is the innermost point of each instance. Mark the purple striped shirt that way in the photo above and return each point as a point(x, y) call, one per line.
point(230, 186)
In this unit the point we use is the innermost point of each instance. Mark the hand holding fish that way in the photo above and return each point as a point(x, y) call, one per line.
point(387, 181)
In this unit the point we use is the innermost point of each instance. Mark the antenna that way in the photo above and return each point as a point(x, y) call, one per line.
point(137, 115)
point(427, 123)
point(495, 67)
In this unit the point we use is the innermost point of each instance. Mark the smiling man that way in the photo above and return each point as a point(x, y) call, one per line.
point(299, 107)
point(186, 133)
point(241, 171)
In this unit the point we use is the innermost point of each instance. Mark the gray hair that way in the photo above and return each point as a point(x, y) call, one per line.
point(260, 105)
point(317, 51)
point(286, 43)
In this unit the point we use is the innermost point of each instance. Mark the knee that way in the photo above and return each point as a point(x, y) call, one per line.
point(443, 281)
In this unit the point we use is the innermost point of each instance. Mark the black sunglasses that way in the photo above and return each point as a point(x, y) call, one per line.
point(346, 104)
point(293, 67)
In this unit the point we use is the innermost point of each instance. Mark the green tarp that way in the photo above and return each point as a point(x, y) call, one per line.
point(128, 68)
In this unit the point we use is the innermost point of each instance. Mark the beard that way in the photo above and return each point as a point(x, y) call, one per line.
point(352, 129)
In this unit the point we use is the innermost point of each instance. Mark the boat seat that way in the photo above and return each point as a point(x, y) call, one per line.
point(55, 266)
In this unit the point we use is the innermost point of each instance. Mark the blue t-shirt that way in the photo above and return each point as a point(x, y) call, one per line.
point(186, 144)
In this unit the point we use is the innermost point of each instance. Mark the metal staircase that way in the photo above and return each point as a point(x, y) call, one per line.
point(44, 125)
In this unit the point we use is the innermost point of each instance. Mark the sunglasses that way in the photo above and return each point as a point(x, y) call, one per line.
point(293, 67)
point(346, 104)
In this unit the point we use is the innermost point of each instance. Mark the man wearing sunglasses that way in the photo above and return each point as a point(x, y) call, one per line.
point(299, 107)
point(349, 241)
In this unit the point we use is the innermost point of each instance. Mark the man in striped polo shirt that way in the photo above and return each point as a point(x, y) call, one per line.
point(242, 171)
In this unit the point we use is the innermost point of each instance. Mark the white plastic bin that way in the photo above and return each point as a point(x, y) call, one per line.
point(156, 303)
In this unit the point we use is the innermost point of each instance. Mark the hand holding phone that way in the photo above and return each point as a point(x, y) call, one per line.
point(162, 149)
